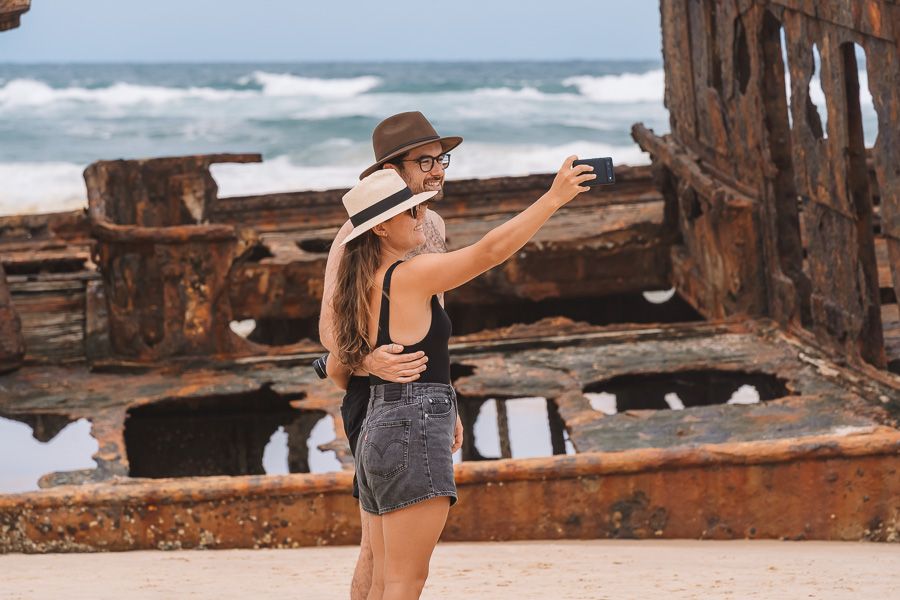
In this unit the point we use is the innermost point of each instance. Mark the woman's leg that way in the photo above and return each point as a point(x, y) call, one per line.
point(376, 540)
point(410, 535)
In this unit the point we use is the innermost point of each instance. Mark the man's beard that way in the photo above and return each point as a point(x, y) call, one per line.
point(438, 196)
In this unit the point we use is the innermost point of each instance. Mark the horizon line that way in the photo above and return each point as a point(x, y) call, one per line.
point(325, 61)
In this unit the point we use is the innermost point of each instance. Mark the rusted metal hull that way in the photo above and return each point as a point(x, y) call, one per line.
point(824, 488)
point(116, 292)
point(707, 471)
point(779, 213)
point(11, 12)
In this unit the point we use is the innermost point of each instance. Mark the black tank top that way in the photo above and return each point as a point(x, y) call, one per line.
point(434, 344)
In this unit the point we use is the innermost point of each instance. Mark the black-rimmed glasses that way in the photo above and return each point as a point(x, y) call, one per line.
point(426, 163)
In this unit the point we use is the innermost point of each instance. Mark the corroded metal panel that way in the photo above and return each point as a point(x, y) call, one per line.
point(11, 12)
point(165, 269)
point(828, 488)
point(813, 206)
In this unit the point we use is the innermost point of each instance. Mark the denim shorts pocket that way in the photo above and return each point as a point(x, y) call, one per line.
point(387, 448)
point(438, 406)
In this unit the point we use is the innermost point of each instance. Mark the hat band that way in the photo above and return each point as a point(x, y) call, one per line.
point(381, 206)
point(427, 138)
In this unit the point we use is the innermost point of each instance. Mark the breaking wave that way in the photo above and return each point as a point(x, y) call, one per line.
point(38, 187)
point(31, 92)
point(27, 92)
point(624, 88)
point(282, 84)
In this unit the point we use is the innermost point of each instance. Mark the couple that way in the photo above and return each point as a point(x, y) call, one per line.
point(383, 295)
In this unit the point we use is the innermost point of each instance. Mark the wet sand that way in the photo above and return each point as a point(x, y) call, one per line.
point(672, 570)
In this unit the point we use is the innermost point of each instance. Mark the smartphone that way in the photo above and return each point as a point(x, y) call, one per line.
point(603, 169)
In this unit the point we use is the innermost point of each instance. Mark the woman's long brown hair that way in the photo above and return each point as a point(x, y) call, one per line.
point(350, 302)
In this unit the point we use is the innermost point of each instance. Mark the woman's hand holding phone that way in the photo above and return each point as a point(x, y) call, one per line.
point(568, 181)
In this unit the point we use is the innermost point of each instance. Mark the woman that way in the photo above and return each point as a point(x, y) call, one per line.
point(404, 461)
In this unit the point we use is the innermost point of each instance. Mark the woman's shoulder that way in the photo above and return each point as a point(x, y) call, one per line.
point(412, 263)
point(409, 272)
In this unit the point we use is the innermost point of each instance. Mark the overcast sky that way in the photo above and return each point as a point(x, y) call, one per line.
point(349, 30)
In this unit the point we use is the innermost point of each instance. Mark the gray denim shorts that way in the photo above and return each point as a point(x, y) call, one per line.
point(403, 452)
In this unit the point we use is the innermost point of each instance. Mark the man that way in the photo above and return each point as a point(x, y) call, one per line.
point(408, 143)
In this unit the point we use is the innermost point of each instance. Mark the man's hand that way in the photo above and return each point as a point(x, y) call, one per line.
point(389, 364)
point(457, 436)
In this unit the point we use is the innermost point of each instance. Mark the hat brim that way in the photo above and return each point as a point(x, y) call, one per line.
point(447, 144)
point(388, 214)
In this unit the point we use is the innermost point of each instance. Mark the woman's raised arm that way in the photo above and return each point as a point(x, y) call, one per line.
point(443, 272)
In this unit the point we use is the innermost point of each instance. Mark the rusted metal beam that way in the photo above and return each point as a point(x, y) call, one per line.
point(875, 18)
point(719, 266)
point(463, 198)
point(812, 488)
point(12, 345)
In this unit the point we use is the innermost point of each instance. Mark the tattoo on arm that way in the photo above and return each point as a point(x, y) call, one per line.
point(434, 241)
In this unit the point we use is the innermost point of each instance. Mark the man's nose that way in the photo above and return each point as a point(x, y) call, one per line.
point(437, 168)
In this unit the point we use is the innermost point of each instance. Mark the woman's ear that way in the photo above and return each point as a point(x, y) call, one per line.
point(380, 230)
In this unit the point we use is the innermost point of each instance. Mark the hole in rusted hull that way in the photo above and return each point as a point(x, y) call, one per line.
point(42, 266)
point(624, 308)
point(512, 428)
point(35, 445)
point(741, 56)
point(243, 327)
point(315, 246)
point(219, 435)
point(817, 119)
point(675, 391)
point(281, 332)
point(258, 252)
point(278, 459)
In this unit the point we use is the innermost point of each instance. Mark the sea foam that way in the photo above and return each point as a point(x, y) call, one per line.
point(39, 187)
point(624, 88)
point(31, 92)
point(284, 84)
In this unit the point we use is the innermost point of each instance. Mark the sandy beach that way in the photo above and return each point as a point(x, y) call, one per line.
point(558, 569)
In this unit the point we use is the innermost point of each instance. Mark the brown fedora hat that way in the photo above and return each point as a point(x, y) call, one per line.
point(401, 133)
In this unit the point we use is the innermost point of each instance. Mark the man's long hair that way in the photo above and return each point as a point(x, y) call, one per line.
point(350, 302)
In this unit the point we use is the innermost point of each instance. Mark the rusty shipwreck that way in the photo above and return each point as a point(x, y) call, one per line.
point(781, 238)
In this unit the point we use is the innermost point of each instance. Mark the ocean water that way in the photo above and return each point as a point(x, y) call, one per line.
point(311, 122)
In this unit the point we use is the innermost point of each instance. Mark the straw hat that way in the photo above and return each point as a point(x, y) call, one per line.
point(401, 133)
point(377, 198)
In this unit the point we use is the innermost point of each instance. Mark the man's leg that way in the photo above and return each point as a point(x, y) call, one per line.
point(362, 575)
point(376, 542)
